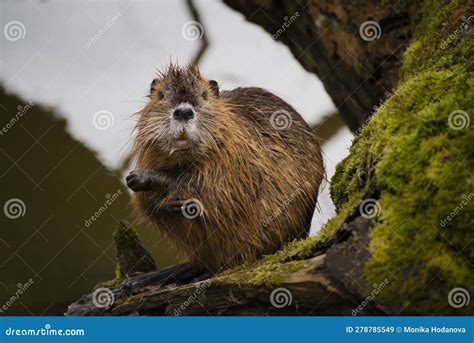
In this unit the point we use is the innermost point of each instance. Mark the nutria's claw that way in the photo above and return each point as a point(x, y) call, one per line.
point(175, 205)
point(139, 181)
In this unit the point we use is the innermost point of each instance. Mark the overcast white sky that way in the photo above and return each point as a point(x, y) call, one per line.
point(53, 66)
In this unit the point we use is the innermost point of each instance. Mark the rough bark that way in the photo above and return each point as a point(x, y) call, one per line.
point(324, 37)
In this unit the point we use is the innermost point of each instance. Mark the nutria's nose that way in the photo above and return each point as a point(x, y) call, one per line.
point(183, 114)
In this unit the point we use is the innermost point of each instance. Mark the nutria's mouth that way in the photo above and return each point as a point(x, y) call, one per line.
point(182, 141)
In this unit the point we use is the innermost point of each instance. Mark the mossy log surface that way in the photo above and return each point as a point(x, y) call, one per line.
point(414, 162)
point(305, 270)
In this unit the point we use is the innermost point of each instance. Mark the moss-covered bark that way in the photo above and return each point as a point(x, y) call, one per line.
point(418, 150)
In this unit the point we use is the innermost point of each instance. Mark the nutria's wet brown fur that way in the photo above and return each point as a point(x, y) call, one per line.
point(255, 181)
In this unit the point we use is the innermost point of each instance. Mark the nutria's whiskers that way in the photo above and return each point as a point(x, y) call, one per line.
point(227, 176)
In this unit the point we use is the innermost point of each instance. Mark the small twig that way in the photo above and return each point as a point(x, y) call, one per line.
point(204, 42)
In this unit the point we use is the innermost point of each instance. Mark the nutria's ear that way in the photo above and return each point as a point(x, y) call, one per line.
point(153, 83)
point(215, 87)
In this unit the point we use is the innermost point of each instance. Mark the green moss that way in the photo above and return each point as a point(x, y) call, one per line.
point(125, 238)
point(352, 174)
point(328, 230)
point(264, 272)
point(132, 258)
point(422, 166)
point(274, 268)
point(118, 278)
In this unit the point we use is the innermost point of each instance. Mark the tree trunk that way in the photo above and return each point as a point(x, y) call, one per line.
point(324, 37)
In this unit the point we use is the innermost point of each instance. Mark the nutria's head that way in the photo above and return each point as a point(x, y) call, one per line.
point(181, 120)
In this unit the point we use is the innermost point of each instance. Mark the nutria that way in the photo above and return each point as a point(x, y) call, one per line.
point(227, 176)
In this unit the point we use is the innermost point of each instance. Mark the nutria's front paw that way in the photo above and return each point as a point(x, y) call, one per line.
point(139, 181)
point(175, 206)
point(190, 208)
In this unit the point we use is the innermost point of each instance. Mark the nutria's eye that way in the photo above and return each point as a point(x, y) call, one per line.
point(160, 95)
point(204, 95)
